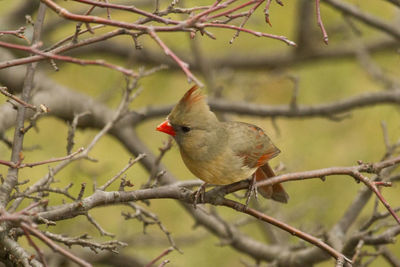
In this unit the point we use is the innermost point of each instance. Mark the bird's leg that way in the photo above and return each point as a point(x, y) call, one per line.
point(199, 194)
point(252, 189)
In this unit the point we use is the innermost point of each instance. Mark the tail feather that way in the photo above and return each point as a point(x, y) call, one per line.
point(275, 191)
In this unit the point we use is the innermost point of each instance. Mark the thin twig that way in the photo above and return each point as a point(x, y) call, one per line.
point(163, 254)
point(33, 244)
point(320, 23)
point(184, 66)
point(19, 33)
point(246, 18)
point(4, 91)
point(255, 33)
point(69, 59)
point(130, 164)
point(261, 216)
point(20, 165)
point(54, 246)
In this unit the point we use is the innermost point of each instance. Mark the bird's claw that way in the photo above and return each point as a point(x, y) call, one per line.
point(252, 190)
point(199, 194)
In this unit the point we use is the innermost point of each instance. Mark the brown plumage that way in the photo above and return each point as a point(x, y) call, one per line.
point(221, 152)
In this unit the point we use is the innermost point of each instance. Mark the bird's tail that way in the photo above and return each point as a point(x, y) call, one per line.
point(275, 191)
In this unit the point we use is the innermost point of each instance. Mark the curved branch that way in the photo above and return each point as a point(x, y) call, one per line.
point(328, 110)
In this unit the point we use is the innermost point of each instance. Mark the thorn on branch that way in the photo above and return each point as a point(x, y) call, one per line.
point(125, 183)
point(82, 191)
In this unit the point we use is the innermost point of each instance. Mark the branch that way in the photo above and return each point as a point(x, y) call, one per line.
point(255, 33)
point(12, 176)
point(19, 33)
point(54, 246)
point(328, 110)
point(320, 23)
point(354, 171)
point(84, 242)
point(261, 216)
point(100, 198)
point(20, 165)
point(184, 66)
point(4, 91)
point(164, 253)
point(364, 17)
point(131, 9)
point(98, 62)
point(130, 164)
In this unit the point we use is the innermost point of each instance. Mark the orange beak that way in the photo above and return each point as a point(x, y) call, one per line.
point(166, 127)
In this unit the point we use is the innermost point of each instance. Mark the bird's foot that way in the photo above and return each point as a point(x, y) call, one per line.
point(252, 190)
point(199, 194)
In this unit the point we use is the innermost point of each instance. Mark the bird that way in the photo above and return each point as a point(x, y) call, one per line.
point(221, 152)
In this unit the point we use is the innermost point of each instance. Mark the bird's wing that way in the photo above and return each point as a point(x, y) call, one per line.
point(251, 143)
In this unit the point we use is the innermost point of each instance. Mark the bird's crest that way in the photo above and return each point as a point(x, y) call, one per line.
point(191, 108)
point(192, 96)
point(193, 100)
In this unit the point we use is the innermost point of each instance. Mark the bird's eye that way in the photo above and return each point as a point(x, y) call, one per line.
point(185, 129)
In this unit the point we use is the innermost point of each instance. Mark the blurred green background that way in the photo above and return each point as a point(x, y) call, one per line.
point(306, 144)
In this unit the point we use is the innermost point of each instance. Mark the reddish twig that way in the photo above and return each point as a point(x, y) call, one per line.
point(230, 11)
point(53, 245)
point(19, 33)
point(33, 244)
point(131, 9)
point(246, 18)
point(164, 253)
point(20, 165)
point(202, 15)
point(258, 34)
point(35, 58)
point(371, 185)
point(184, 66)
point(4, 91)
point(319, 20)
point(261, 216)
point(32, 49)
point(353, 171)
point(99, 20)
point(23, 165)
point(266, 12)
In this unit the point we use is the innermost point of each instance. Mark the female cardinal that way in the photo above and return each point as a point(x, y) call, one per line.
point(221, 152)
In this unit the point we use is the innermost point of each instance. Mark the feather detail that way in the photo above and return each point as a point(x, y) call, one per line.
point(275, 191)
point(192, 109)
point(269, 155)
point(192, 96)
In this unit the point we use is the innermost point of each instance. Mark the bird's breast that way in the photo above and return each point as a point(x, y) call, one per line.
point(224, 168)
